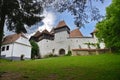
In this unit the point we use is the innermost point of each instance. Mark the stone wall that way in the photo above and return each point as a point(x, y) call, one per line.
point(82, 52)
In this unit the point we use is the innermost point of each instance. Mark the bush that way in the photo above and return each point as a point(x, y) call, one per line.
point(69, 53)
point(50, 55)
point(55, 55)
point(35, 50)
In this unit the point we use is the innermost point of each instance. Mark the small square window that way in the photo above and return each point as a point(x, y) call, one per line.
point(7, 48)
point(3, 48)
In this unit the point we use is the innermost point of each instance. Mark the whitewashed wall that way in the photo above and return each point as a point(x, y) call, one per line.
point(61, 36)
point(22, 46)
point(7, 53)
point(24, 41)
point(19, 49)
point(62, 41)
point(76, 43)
point(16, 49)
point(45, 47)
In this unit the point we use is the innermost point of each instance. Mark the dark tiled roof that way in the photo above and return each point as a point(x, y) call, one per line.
point(45, 31)
point(76, 33)
point(37, 34)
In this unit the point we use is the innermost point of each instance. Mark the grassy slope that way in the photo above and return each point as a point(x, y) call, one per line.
point(100, 67)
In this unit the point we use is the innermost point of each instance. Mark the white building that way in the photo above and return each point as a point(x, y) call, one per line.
point(60, 40)
point(16, 45)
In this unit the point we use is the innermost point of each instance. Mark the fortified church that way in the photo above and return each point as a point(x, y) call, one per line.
point(61, 39)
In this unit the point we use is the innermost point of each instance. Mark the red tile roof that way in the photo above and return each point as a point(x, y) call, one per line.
point(12, 38)
point(76, 33)
point(62, 24)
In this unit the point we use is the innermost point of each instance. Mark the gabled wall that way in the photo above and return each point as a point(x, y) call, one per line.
point(16, 49)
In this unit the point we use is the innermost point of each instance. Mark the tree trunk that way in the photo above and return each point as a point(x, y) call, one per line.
point(2, 21)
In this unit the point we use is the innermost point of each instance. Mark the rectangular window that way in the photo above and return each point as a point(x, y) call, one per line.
point(7, 48)
point(3, 48)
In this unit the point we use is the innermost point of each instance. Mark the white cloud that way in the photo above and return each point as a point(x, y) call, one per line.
point(49, 21)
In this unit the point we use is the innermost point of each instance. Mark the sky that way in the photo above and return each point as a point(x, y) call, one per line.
point(52, 18)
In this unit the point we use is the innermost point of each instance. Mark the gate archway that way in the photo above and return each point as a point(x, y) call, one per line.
point(62, 52)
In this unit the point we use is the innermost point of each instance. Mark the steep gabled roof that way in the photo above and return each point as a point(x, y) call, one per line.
point(95, 30)
point(12, 38)
point(45, 31)
point(61, 24)
point(37, 34)
point(76, 33)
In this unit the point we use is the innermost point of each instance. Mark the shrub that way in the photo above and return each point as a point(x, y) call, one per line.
point(35, 50)
point(50, 55)
point(69, 53)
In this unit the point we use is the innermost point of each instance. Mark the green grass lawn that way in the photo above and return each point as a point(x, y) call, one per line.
point(95, 67)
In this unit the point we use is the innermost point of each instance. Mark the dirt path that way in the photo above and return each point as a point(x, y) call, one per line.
point(10, 76)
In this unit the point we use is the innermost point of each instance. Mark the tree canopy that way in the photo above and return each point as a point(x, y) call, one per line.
point(109, 28)
point(82, 10)
point(18, 13)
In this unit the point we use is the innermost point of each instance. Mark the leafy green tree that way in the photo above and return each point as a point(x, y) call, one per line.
point(109, 28)
point(35, 50)
point(18, 13)
point(82, 10)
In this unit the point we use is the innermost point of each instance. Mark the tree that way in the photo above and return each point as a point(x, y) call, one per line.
point(109, 28)
point(35, 50)
point(18, 13)
point(82, 10)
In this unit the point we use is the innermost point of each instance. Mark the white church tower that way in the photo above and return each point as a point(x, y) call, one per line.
point(62, 32)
